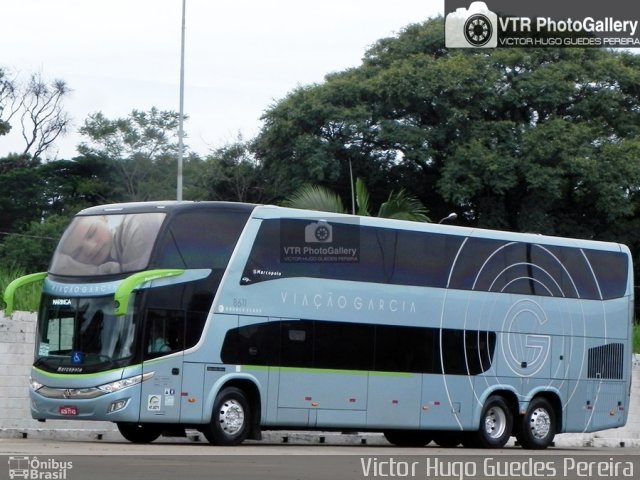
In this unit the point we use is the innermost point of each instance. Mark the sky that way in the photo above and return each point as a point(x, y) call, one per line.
point(241, 56)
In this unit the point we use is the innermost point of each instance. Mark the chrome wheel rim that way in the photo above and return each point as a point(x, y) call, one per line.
point(495, 423)
point(231, 417)
point(540, 423)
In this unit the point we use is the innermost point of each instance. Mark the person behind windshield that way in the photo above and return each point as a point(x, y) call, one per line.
point(158, 344)
point(93, 247)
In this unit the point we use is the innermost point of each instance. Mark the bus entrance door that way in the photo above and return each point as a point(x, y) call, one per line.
point(161, 394)
point(160, 401)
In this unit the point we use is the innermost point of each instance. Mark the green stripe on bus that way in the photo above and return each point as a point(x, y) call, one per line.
point(328, 371)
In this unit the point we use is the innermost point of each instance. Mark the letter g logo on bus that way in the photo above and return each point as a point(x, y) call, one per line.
point(525, 346)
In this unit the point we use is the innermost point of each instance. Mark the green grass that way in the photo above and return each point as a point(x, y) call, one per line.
point(27, 297)
point(636, 338)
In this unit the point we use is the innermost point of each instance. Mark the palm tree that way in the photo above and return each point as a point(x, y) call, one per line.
point(399, 205)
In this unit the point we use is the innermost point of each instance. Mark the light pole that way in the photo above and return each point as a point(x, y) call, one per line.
point(451, 216)
point(181, 113)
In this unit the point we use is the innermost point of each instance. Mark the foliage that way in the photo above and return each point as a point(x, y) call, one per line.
point(42, 117)
point(21, 192)
point(402, 206)
point(27, 297)
point(142, 134)
point(399, 205)
point(229, 173)
point(144, 147)
point(542, 140)
point(315, 197)
point(7, 92)
point(32, 248)
point(37, 105)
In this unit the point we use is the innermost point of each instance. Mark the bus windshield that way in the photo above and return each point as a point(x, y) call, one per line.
point(83, 334)
point(106, 244)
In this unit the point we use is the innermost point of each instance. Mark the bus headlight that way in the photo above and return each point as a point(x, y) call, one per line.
point(34, 384)
point(124, 383)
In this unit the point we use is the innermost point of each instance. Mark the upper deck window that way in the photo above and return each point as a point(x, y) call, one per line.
point(106, 244)
point(427, 259)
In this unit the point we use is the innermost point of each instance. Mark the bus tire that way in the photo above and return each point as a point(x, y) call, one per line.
point(496, 424)
point(538, 426)
point(139, 433)
point(447, 438)
point(408, 438)
point(231, 418)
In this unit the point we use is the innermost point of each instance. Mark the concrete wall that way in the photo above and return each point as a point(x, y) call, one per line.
point(17, 340)
point(17, 344)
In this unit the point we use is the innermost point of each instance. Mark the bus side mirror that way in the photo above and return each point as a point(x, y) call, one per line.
point(10, 291)
point(129, 284)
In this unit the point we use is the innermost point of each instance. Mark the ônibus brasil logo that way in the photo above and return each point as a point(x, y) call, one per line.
point(37, 468)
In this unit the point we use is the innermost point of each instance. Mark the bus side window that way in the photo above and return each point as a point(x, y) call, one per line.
point(297, 343)
point(165, 333)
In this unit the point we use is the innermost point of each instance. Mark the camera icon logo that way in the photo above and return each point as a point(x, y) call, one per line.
point(473, 27)
point(318, 232)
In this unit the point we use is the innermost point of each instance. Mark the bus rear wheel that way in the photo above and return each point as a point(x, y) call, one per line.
point(538, 427)
point(231, 418)
point(408, 438)
point(139, 433)
point(496, 424)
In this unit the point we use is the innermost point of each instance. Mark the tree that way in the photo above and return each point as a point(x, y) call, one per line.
point(541, 158)
point(71, 185)
point(353, 122)
point(540, 140)
point(7, 95)
point(31, 248)
point(399, 205)
point(42, 117)
point(38, 107)
point(21, 193)
point(139, 143)
point(230, 173)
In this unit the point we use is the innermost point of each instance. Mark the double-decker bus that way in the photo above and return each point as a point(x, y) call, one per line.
point(233, 319)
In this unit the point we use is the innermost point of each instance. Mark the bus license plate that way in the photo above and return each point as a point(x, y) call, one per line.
point(68, 410)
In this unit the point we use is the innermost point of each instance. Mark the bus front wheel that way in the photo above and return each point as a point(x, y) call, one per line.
point(231, 418)
point(139, 433)
point(538, 427)
point(496, 424)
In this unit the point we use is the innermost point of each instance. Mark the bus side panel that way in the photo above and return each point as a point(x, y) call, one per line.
point(446, 402)
point(599, 397)
point(605, 411)
point(192, 394)
point(394, 400)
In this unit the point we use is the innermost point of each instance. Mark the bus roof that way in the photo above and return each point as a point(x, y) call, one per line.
point(162, 206)
point(272, 211)
point(267, 211)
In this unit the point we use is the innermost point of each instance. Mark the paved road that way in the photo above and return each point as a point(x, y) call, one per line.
point(110, 460)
